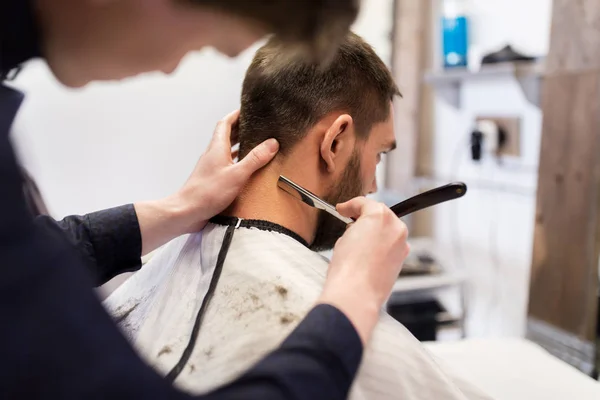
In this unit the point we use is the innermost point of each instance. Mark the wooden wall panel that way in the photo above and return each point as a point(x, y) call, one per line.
point(565, 255)
point(413, 115)
point(574, 37)
point(409, 55)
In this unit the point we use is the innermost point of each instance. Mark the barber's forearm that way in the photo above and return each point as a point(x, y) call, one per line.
point(163, 220)
point(109, 240)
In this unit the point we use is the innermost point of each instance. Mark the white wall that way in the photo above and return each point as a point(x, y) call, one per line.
point(523, 23)
point(490, 230)
point(113, 143)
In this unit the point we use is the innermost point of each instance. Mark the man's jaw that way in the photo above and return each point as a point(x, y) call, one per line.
point(329, 228)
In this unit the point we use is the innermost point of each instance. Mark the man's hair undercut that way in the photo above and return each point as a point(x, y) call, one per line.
point(313, 28)
point(284, 99)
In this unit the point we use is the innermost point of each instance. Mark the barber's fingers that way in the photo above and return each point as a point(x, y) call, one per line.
point(231, 118)
point(351, 208)
point(222, 135)
point(260, 156)
point(359, 206)
point(234, 136)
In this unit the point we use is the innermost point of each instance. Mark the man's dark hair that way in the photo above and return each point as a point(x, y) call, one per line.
point(315, 27)
point(283, 98)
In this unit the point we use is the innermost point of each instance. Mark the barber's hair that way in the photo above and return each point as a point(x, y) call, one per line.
point(312, 27)
point(284, 99)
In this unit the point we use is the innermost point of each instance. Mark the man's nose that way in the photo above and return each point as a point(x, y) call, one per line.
point(373, 186)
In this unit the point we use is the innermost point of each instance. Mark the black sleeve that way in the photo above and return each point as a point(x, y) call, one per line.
point(110, 240)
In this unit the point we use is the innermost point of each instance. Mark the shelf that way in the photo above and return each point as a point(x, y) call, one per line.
point(448, 278)
point(418, 283)
point(428, 282)
point(448, 82)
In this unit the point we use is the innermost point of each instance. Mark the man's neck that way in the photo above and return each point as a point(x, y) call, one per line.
point(262, 199)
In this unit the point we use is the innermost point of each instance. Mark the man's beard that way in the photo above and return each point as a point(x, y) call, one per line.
point(329, 228)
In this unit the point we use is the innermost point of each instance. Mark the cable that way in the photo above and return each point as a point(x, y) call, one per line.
point(496, 293)
point(458, 152)
point(456, 244)
point(493, 249)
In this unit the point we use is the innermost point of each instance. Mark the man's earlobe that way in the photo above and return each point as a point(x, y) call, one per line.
point(338, 141)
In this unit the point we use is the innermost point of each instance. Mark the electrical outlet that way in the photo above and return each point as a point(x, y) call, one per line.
point(512, 127)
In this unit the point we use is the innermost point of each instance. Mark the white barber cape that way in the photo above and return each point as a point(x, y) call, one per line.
point(264, 281)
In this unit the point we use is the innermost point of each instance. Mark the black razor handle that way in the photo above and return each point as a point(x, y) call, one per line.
point(430, 198)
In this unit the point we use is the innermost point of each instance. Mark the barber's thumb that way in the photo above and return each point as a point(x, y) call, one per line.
point(352, 208)
point(260, 156)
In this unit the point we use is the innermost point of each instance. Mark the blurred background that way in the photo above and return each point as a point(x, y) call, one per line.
point(471, 112)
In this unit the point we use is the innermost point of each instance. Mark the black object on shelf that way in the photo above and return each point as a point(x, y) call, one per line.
point(506, 54)
point(421, 318)
point(420, 264)
point(476, 145)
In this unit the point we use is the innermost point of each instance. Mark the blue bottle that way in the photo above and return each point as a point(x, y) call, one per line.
point(455, 33)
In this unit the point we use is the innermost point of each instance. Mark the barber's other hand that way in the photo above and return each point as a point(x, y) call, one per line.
point(366, 262)
point(217, 180)
point(213, 185)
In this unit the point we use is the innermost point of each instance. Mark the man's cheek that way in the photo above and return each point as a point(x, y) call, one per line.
point(369, 180)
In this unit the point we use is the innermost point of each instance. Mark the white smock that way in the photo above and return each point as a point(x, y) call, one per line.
point(268, 282)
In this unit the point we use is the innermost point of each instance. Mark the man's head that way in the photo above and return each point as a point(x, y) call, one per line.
point(332, 122)
point(85, 40)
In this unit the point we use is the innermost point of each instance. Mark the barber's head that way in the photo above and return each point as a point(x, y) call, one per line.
point(85, 40)
point(332, 122)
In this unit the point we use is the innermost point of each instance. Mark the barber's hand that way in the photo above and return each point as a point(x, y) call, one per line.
point(212, 187)
point(366, 262)
point(217, 180)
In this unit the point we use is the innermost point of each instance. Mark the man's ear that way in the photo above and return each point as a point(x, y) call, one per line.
point(338, 141)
